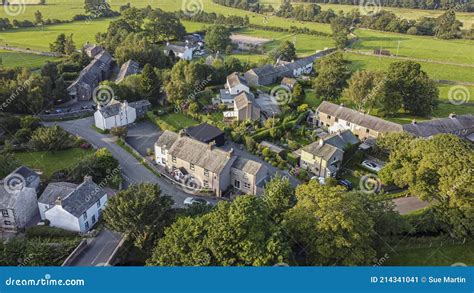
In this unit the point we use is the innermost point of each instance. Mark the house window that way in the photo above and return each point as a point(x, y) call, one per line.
point(206, 173)
point(206, 183)
point(5, 213)
point(329, 117)
point(337, 119)
point(93, 219)
point(84, 215)
point(173, 159)
point(7, 223)
point(348, 123)
point(247, 185)
point(237, 184)
point(163, 151)
point(87, 225)
point(367, 130)
point(191, 166)
point(98, 203)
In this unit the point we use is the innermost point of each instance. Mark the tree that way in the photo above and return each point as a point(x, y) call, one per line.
point(51, 139)
point(137, 47)
point(340, 27)
point(438, 170)
point(298, 93)
point(59, 45)
point(184, 78)
point(232, 234)
point(279, 196)
point(141, 212)
point(285, 52)
point(333, 72)
point(150, 83)
point(365, 89)
point(96, 7)
point(8, 163)
point(69, 46)
point(329, 226)
point(120, 132)
point(101, 165)
point(38, 17)
point(447, 26)
point(217, 38)
point(406, 81)
point(163, 26)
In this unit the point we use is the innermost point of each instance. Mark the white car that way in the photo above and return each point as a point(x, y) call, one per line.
point(372, 166)
point(189, 201)
point(200, 53)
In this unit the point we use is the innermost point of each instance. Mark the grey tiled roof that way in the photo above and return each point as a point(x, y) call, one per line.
point(243, 99)
point(128, 68)
point(247, 166)
point(9, 199)
point(461, 125)
point(325, 151)
point(78, 200)
point(341, 139)
point(358, 118)
point(203, 132)
point(200, 154)
point(235, 79)
point(166, 139)
point(113, 108)
point(92, 72)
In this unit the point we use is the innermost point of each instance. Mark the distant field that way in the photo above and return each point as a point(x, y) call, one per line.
point(15, 59)
point(466, 18)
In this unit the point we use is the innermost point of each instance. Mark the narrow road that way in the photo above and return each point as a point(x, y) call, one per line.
point(99, 250)
point(406, 205)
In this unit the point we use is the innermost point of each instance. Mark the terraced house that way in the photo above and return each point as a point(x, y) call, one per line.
point(212, 168)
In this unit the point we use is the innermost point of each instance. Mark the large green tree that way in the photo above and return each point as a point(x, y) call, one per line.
point(280, 196)
point(333, 72)
point(140, 212)
point(233, 234)
point(329, 226)
point(365, 89)
point(217, 38)
point(340, 27)
point(150, 83)
point(8, 163)
point(163, 26)
point(407, 83)
point(136, 47)
point(447, 26)
point(52, 139)
point(438, 170)
point(285, 52)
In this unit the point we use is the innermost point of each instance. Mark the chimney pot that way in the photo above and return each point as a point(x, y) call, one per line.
point(87, 178)
point(452, 115)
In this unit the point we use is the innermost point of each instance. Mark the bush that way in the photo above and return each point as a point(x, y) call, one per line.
point(49, 232)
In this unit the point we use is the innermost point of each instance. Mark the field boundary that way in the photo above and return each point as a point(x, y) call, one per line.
point(29, 51)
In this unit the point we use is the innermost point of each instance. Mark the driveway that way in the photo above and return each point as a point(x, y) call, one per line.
point(132, 170)
point(406, 205)
point(142, 136)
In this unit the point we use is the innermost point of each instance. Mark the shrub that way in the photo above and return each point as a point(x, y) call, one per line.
point(49, 232)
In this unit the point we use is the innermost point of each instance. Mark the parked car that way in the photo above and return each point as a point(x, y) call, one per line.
point(189, 201)
point(321, 180)
point(200, 53)
point(346, 183)
point(372, 166)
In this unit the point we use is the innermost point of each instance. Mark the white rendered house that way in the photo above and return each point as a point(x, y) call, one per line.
point(117, 114)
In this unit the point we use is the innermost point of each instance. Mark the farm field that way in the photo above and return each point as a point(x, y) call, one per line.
point(16, 59)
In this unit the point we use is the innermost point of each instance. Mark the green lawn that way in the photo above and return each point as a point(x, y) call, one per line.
point(16, 59)
point(48, 162)
point(436, 256)
point(172, 121)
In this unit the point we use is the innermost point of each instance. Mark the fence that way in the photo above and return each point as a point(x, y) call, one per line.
point(28, 51)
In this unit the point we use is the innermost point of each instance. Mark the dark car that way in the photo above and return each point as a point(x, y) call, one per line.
point(346, 183)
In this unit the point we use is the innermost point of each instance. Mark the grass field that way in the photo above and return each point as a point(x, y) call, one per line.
point(437, 256)
point(48, 162)
point(172, 121)
point(14, 59)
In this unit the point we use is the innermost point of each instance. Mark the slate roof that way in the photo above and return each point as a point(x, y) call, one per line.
point(243, 100)
point(200, 154)
point(235, 79)
point(179, 47)
point(341, 139)
point(247, 166)
point(8, 199)
point(358, 118)
point(113, 108)
point(166, 139)
point(203, 132)
point(76, 202)
point(91, 73)
point(128, 68)
point(461, 125)
point(325, 151)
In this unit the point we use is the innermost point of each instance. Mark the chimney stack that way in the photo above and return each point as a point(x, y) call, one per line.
point(58, 201)
point(87, 178)
point(452, 115)
point(321, 142)
point(413, 122)
point(211, 145)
